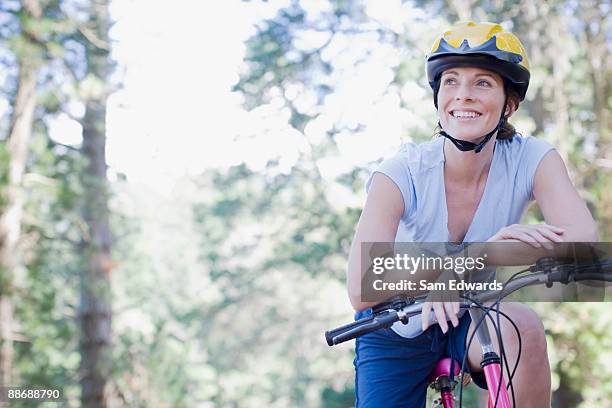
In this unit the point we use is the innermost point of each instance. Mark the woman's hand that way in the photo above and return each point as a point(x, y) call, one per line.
point(536, 235)
point(442, 310)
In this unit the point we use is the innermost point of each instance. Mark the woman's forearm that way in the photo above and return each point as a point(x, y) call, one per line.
point(354, 276)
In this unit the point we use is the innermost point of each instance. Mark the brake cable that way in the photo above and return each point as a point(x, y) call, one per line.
point(503, 357)
point(510, 376)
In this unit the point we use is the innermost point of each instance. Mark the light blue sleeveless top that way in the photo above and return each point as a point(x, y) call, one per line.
point(418, 171)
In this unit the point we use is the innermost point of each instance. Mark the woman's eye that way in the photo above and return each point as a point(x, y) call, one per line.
point(449, 81)
point(482, 82)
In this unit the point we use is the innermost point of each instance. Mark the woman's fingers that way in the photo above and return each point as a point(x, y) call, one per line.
point(449, 307)
point(558, 230)
point(538, 238)
point(535, 235)
point(547, 237)
point(544, 234)
point(438, 308)
point(551, 232)
point(521, 236)
point(441, 311)
point(425, 310)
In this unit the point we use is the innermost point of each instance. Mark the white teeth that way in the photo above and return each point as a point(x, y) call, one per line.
point(463, 114)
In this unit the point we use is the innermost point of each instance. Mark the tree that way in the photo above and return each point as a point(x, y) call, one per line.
point(95, 306)
point(29, 54)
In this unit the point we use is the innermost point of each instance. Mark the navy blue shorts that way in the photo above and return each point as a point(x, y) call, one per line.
point(391, 370)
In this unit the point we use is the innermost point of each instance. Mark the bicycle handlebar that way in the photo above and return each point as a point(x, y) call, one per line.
point(361, 327)
point(564, 274)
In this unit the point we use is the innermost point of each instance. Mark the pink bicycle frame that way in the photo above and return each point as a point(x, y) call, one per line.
point(495, 380)
point(441, 379)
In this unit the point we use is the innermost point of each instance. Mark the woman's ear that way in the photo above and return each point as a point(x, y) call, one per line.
point(511, 107)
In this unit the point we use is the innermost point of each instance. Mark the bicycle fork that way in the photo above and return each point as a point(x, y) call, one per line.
point(491, 363)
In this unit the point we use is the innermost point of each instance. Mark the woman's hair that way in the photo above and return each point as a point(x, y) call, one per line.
point(507, 130)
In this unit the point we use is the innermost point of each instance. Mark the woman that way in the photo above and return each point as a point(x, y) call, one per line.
point(470, 185)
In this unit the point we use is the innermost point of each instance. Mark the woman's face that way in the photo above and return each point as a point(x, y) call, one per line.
point(470, 101)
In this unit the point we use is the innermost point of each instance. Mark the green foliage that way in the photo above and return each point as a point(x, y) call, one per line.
point(338, 399)
point(273, 264)
point(48, 291)
point(579, 349)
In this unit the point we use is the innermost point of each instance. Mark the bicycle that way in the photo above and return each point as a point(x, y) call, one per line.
point(443, 378)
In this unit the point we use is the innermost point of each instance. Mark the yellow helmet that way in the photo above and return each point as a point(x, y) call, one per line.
point(485, 45)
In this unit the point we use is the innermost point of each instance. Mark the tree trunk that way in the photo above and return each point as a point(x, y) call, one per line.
point(95, 307)
point(599, 61)
point(10, 219)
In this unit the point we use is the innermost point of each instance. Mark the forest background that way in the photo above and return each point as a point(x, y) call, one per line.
point(180, 182)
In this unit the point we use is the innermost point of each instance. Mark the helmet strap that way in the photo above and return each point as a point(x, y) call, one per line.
point(465, 145)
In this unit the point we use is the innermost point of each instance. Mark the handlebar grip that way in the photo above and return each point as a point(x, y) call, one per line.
point(330, 334)
point(360, 328)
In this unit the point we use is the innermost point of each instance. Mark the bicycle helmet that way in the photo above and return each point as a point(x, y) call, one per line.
point(484, 45)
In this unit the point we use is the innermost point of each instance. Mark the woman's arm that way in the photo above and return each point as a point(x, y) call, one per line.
point(567, 218)
point(379, 219)
point(559, 201)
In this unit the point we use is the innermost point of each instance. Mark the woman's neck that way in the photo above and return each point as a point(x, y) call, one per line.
point(467, 168)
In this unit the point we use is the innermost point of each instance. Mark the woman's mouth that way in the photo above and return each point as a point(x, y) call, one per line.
point(465, 115)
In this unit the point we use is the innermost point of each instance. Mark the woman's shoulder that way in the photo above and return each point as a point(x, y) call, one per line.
point(421, 156)
point(521, 147)
point(522, 156)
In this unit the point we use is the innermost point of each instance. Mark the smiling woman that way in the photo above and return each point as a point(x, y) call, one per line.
point(470, 185)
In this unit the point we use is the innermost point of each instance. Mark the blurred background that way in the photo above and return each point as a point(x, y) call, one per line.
point(180, 182)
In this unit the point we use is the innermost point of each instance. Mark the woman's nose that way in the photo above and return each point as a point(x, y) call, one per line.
point(464, 92)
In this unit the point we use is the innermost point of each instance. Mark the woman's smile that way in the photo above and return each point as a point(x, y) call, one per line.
point(464, 115)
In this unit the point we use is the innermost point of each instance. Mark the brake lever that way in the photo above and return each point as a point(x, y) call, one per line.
point(396, 303)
